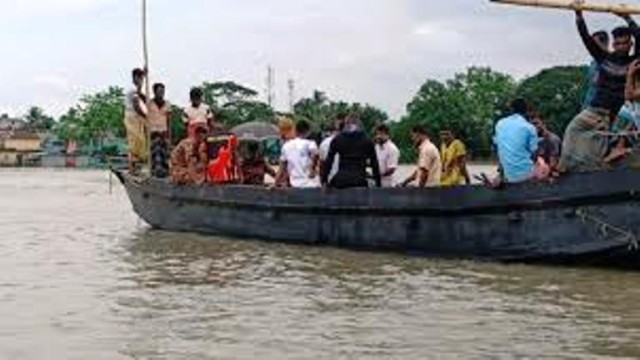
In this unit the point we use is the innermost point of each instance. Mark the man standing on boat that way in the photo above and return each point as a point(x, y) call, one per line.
point(357, 152)
point(585, 147)
point(159, 115)
point(388, 156)
point(299, 160)
point(198, 113)
point(454, 160)
point(135, 119)
point(429, 172)
point(516, 140)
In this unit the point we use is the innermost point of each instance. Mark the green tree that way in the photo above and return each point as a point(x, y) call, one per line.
point(37, 119)
point(320, 111)
point(103, 113)
point(557, 93)
point(235, 104)
point(467, 104)
point(97, 117)
point(71, 128)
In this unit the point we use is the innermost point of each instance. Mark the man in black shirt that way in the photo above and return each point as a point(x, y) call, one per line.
point(584, 147)
point(356, 152)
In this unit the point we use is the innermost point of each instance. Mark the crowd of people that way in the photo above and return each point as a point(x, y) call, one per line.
point(603, 133)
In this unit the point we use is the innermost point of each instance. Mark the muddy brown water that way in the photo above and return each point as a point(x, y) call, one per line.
point(82, 278)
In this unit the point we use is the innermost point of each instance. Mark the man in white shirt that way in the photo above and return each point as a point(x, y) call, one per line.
point(325, 146)
point(197, 113)
point(388, 156)
point(299, 160)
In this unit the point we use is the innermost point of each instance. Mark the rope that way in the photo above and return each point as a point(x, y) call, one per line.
point(604, 229)
point(619, 133)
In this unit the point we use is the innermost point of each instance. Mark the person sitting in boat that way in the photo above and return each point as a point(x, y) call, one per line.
point(357, 152)
point(198, 113)
point(516, 141)
point(429, 167)
point(454, 160)
point(189, 159)
point(135, 118)
point(299, 159)
point(159, 115)
point(253, 165)
point(585, 147)
point(388, 155)
point(550, 145)
point(223, 167)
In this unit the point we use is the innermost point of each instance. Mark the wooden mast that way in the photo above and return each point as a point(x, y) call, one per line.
point(145, 47)
point(573, 5)
point(145, 52)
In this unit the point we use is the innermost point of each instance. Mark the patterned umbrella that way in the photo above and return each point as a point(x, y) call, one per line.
point(256, 130)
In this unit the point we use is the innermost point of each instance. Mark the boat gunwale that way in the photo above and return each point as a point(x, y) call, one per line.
point(549, 203)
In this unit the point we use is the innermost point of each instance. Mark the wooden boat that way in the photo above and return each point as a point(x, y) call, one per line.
point(582, 219)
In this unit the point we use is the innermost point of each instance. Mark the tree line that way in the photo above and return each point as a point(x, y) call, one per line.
point(468, 104)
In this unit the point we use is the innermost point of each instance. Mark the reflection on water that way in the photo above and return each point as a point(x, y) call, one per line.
point(82, 278)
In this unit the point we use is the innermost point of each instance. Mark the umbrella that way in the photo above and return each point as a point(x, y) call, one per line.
point(256, 130)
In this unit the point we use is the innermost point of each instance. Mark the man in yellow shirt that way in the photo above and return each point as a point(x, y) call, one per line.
point(454, 160)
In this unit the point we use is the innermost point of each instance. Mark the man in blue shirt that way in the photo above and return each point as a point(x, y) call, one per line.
point(516, 140)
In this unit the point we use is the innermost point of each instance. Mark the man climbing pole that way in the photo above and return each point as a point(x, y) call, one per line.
point(585, 146)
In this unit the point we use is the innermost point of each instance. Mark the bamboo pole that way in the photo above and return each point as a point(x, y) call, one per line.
point(573, 5)
point(145, 52)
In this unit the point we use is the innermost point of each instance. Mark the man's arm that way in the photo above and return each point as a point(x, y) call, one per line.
point(281, 176)
point(534, 140)
point(632, 92)
point(137, 101)
point(410, 179)
point(594, 49)
point(423, 177)
point(375, 165)
point(462, 163)
point(328, 164)
point(393, 162)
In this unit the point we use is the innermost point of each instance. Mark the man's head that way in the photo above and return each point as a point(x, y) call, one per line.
point(520, 106)
point(538, 122)
point(159, 91)
point(418, 135)
point(352, 123)
point(602, 39)
point(383, 134)
point(286, 127)
point(138, 77)
point(622, 40)
point(447, 137)
point(303, 129)
point(196, 96)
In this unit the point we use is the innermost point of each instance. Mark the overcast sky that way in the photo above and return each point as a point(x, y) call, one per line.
point(371, 51)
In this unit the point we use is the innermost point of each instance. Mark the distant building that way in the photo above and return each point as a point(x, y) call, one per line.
point(10, 125)
point(19, 148)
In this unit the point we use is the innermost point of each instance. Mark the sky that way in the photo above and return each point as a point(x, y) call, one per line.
point(370, 51)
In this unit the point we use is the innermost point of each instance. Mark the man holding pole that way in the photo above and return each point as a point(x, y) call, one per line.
point(585, 147)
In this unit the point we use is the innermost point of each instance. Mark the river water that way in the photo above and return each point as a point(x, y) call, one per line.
point(82, 278)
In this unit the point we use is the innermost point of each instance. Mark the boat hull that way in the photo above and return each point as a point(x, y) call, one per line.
point(582, 220)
